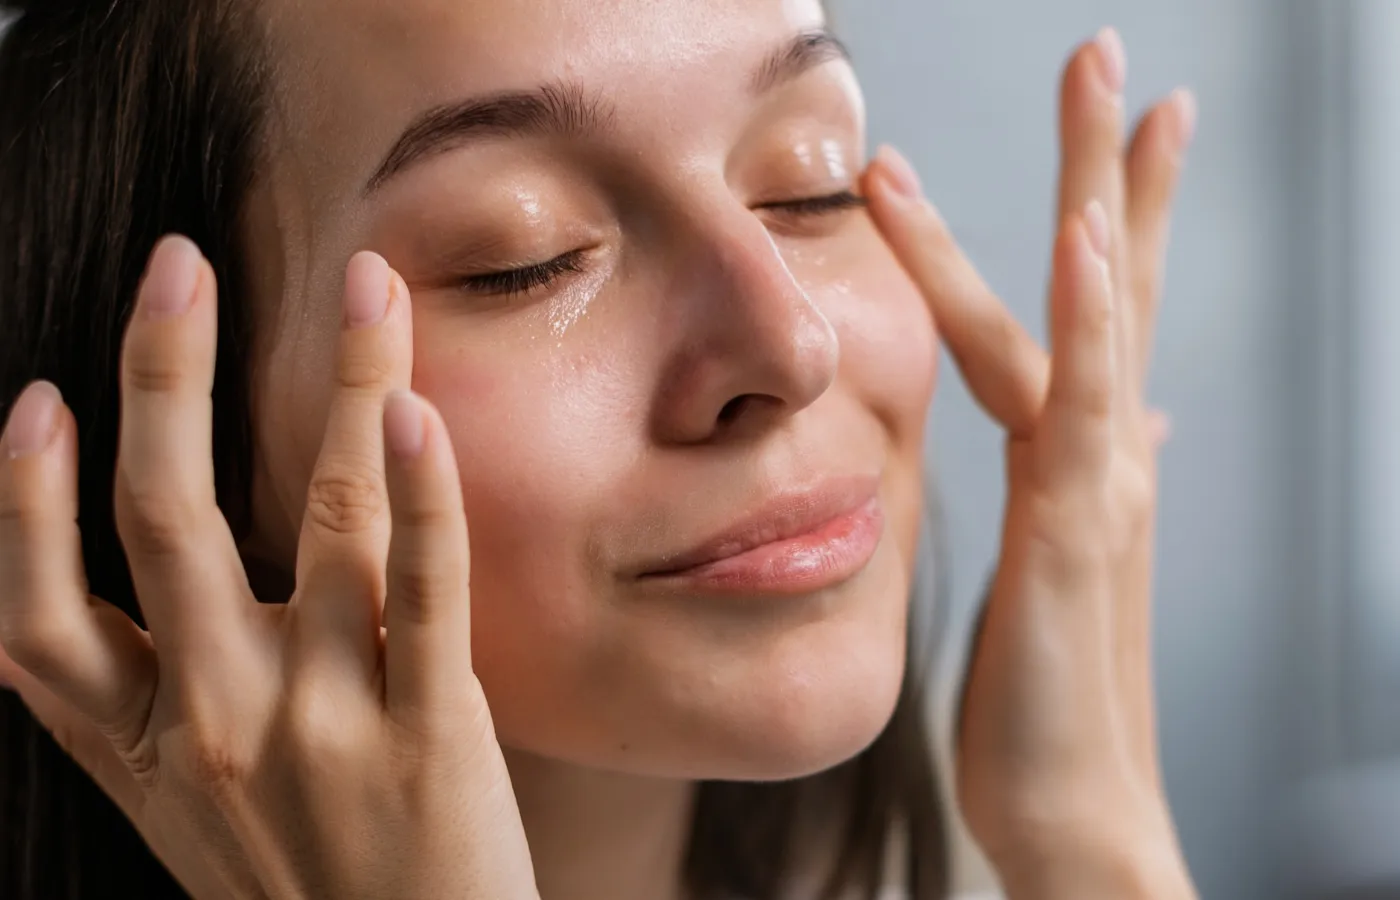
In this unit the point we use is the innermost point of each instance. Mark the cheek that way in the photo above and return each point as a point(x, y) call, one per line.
point(888, 340)
point(544, 433)
point(888, 359)
point(888, 347)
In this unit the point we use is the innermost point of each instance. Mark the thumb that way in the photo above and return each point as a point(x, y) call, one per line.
point(77, 735)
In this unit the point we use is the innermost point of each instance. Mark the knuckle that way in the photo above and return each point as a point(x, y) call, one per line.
point(153, 519)
point(319, 726)
point(423, 514)
point(155, 366)
point(345, 497)
point(417, 590)
point(215, 760)
point(364, 367)
point(13, 515)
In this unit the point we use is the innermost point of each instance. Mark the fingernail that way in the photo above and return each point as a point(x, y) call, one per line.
point(899, 173)
point(171, 277)
point(33, 420)
point(367, 289)
point(1096, 223)
point(403, 424)
point(1113, 59)
point(1187, 112)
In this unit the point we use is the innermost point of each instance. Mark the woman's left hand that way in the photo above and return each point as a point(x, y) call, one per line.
point(1058, 771)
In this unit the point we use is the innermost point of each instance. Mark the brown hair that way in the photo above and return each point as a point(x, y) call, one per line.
point(124, 120)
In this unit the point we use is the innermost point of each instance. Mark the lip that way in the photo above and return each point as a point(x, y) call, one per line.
point(795, 543)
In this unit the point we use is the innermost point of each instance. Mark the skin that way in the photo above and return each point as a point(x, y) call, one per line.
point(585, 430)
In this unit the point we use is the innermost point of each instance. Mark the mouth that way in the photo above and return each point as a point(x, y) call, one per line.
point(796, 543)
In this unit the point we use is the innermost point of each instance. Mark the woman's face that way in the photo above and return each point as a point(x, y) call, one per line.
point(714, 349)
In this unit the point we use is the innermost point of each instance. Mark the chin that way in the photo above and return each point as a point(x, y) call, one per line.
point(814, 699)
point(803, 737)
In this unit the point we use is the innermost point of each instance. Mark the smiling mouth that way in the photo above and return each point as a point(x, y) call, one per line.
point(795, 544)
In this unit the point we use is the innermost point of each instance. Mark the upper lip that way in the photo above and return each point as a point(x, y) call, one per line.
point(780, 518)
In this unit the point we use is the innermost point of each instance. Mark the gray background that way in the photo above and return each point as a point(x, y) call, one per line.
point(1272, 360)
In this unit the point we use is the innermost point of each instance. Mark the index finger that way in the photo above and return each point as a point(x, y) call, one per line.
point(177, 542)
point(1006, 370)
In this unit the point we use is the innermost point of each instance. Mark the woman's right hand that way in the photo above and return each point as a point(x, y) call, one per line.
point(337, 746)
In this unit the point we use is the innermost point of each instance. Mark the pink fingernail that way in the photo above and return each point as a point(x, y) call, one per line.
point(404, 428)
point(172, 276)
point(368, 281)
point(1187, 112)
point(1096, 223)
point(900, 173)
point(33, 420)
point(1113, 59)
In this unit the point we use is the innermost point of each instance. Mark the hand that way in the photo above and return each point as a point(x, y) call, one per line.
point(1058, 773)
point(337, 746)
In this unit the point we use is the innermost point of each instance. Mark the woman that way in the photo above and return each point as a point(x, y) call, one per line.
point(615, 299)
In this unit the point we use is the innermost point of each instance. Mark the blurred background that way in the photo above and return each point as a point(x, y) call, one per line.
point(1278, 585)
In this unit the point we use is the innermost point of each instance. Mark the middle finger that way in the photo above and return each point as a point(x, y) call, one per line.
point(345, 532)
point(1091, 155)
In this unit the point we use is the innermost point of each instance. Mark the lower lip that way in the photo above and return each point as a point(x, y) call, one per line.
point(834, 552)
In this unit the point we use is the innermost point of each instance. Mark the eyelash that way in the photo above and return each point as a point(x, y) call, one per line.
point(819, 206)
point(514, 282)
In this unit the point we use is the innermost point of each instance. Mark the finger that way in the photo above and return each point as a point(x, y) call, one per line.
point(1159, 429)
point(183, 559)
point(345, 532)
point(1004, 368)
point(1153, 171)
point(82, 740)
point(1091, 149)
point(54, 635)
point(1078, 410)
point(427, 613)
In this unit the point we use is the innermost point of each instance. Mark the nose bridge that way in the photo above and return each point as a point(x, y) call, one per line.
point(755, 294)
point(755, 348)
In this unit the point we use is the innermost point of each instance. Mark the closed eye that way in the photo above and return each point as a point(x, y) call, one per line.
point(523, 280)
point(513, 282)
point(818, 206)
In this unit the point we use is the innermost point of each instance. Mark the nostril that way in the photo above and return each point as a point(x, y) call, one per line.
point(734, 408)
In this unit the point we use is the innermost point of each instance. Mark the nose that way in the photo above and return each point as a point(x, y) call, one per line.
point(752, 349)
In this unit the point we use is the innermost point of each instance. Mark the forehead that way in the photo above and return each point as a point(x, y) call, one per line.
point(354, 72)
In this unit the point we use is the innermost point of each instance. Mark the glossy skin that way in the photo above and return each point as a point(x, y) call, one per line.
point(715, 361)
point(589, 415)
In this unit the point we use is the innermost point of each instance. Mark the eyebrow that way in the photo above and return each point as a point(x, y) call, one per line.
point(563, 108)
